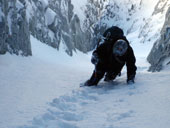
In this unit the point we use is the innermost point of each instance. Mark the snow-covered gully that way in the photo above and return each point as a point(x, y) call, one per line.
point(41, 92)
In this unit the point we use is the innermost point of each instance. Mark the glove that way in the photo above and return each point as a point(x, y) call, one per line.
point(95, 59)
point(89, 83)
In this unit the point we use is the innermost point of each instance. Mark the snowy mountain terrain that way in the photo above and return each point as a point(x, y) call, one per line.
point(43, 90)
point(76, 25)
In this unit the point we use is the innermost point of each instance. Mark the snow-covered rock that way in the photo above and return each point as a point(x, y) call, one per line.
point(50, 21)
point(160, 53)
point(77, 25)
point(55, 22)
point(2, 30)
point(14, 34)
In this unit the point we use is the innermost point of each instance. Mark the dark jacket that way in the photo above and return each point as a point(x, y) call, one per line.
point(111, 63)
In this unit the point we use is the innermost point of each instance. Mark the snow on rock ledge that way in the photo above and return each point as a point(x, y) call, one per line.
point(161, 49)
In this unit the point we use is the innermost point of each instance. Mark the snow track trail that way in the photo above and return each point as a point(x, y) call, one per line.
point(111, 105)
point(84, 107)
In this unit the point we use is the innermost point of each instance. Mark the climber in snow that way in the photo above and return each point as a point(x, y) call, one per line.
point(110, 57)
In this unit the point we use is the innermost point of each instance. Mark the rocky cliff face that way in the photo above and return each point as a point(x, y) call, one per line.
point(160, 53)
point(51, 21)
point(14, 29)
point(3, 29)
point(54, 22)
point(57, 21)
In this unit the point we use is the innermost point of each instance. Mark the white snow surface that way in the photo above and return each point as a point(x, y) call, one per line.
point(43, 91)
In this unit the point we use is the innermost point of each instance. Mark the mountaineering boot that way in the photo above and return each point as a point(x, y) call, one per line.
point(131, 79)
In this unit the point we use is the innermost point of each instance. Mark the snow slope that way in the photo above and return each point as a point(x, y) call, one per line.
point(43, 91)
point(26, 84)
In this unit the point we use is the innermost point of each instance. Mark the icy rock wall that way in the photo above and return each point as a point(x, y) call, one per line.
point(161, 49)
point(51, 21)
point(14, 28)
point(54, 22)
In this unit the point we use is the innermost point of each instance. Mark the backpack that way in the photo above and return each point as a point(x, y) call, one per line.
point(111, 34)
